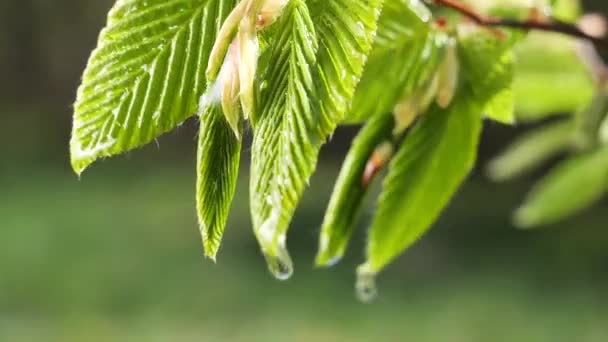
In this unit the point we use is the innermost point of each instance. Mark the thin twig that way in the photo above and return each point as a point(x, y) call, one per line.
point(545, 24)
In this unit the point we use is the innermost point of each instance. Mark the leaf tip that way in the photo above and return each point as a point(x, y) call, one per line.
point(525, 218)
point(326, 256)
point(211, 254)
point(327, 260)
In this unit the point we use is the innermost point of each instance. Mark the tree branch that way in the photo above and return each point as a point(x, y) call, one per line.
point(533, 23)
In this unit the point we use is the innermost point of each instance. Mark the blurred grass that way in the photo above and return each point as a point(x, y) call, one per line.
point(117, 257)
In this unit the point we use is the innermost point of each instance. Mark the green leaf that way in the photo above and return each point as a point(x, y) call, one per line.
point(345, 29)
point(570, 187)
point(315, 63)
point(405, 54)
point(145, 76)
point(349, 191)
point(531, 150)
point(488, 65)
point(286, 142)
point(217, 174)
point(589, 121)
point(426, 172)
point(549, 77)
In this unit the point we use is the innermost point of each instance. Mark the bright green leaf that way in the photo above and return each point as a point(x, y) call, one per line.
point(405, 53)
point(145, 76)
point(315, 63)
point(488, 65)
point(349, 191)
point(426, 172)
point(217, 173)
point(570, 187)
point(345, 29)
point(531, 150)
point(285, 144)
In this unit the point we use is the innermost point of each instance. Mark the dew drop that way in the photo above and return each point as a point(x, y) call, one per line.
point(280, 265)
point(366, 284)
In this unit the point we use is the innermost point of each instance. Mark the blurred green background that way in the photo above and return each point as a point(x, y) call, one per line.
point(116, 255)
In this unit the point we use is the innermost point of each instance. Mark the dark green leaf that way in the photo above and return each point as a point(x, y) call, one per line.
point(350, 191)
point(217, 173)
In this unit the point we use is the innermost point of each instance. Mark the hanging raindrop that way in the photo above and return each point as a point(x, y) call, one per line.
point(365, 286)
point(280, 265)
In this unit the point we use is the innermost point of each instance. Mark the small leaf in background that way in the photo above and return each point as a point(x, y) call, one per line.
point(589, 121)
point(427, 170)
point(145, 76)
point(217, 172)
point(549, 77)
point(489, 64)
point(350, 191)
point(404, 57)
point(572, 186)
point(531, 150)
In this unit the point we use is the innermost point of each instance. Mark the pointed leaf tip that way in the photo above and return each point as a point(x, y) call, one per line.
point(217, 175)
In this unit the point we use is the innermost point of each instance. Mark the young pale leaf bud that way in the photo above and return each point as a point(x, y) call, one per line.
point(405, 113)
point(229, 78)
point(380, 157)
point(271, 10)
point(248, 48)
point(225, 91)
point(407, 110)
point(224, 38)
point(447, 74)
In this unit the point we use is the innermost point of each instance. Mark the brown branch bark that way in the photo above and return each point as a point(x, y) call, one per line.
point(538, 24)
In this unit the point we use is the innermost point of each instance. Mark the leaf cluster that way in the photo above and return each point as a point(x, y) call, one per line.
point(420, 84)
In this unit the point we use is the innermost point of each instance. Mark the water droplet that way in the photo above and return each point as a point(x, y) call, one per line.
point(280, 265)
point(366, 284)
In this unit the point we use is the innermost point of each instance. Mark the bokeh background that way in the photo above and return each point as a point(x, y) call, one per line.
point(116, 255)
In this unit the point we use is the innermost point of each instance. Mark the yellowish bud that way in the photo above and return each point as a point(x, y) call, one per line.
point(271, 10)
point(224, 38)
point(248, 51)
point(448, 74)
point(407, 110)
point(229, 78)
